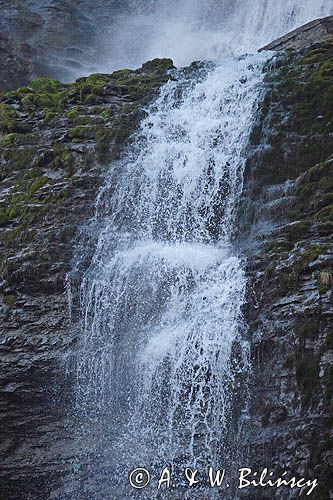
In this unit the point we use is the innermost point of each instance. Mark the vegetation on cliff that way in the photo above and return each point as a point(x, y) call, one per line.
point(291, 171)
point(40, 125)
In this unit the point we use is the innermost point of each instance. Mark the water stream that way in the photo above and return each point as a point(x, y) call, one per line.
point(161, 301)
point(163, 356)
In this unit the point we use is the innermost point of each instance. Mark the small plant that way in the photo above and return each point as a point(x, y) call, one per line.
point(325, 281)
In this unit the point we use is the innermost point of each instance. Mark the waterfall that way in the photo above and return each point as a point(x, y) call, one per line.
point(161, 302)
point(162, 357)
point(188, 30)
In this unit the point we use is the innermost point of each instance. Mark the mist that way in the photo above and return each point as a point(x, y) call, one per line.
point(188, 30)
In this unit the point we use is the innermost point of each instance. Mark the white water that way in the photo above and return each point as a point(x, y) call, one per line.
point(162, 356)
point(162, 299)
point(188, 30)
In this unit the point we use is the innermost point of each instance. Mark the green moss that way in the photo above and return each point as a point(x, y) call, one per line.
point(90, 87)
point(120, 73)
point(326, 214)
point(97, 79)
point(27, 139)
point(49, 116)
point(323, 72)
point(319, 190)
point(35, 185)
point(280, 246)
point(43, 93)
point(19, 139)
point(127, 108)
point(4, 217)
point(44, 101)
point(326, 184)
point(67, 161)
point(106, 114)
point(89, 99)
point(158, 65)
point(17, 159)
point(300, 94)
point(73, 113)
point(314, 56)
point(310, 255)
point(81, 133)
point(9, 121)
point(21, 234)
point(308, 329)
point(307, 377)
point(24, 205)
point(25, 89)
point(8, 139)
point(45, 85)
point(306, 191)
point(10, 299)
point(320, 170)
point(103, 142)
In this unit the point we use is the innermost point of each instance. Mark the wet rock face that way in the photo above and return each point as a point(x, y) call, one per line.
point(288, 202)
point(320, 30)
point(53, 38)
point(56, 142)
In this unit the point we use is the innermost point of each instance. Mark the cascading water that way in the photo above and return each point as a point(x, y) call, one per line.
point(162, 299)
point(162, 355)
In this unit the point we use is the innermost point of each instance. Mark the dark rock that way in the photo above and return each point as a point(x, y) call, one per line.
point(48, 182)
point(290, 269)
point(320, 30)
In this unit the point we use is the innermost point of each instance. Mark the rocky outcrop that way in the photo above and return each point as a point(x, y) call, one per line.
point(56, 141)
point(288, 201)
point(53, 38)
point(320, 30)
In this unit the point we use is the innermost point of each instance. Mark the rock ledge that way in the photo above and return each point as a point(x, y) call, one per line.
point(317, 31)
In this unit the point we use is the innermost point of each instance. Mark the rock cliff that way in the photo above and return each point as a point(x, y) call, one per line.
point(54, 145)
point(320, 30)
point(53, 38)
point(56, 142)
point(288, 201)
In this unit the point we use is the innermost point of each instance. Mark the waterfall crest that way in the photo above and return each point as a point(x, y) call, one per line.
point(191, 30)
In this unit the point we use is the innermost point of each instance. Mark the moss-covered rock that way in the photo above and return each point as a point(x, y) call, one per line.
point(52, 132)
point(298, 104)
